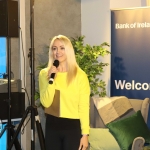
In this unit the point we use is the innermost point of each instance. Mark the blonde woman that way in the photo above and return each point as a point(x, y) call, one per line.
point(66, 100)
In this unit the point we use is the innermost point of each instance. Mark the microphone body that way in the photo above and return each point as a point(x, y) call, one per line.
point(56, 64)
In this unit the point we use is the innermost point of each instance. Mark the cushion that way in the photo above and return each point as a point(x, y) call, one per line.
point(95, 119)
point(127, 129)
point(99, 138)
point(111, 109)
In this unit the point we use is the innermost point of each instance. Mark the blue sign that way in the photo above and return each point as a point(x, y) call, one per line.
point(130, 58)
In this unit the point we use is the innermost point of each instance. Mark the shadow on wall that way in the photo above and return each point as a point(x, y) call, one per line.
point(118, 72)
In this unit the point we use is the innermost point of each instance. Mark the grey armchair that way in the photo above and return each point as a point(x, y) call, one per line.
point(99, 133)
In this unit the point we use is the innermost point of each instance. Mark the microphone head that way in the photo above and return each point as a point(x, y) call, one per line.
point(56, 63)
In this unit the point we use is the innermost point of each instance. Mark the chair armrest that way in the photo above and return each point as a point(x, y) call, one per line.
point(138, 143)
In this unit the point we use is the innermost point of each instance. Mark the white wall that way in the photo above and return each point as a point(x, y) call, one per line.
point(22, 37)
point(95, 19)
point(126, 3)
point(22, 46)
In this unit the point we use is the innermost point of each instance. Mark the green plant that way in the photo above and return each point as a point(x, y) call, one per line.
point(87, 58)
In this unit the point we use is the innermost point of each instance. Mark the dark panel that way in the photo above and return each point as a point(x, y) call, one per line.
point(13, 19)
point(3, 19)
point(8, 18)
point(17, 105)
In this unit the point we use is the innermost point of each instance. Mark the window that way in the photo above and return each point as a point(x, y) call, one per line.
point(3, 56)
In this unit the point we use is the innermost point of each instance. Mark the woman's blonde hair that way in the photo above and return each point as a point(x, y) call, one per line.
point(71, 60)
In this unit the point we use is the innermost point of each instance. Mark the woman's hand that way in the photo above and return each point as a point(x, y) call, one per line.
point(83, 143)
point(53, 69)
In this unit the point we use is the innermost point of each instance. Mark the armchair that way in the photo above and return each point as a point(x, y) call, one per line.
point(100, 136)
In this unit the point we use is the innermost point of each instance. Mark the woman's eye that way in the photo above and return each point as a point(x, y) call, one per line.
point(54, 48)
point(62, 48)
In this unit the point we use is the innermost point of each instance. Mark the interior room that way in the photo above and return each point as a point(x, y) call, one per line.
point(38, 22)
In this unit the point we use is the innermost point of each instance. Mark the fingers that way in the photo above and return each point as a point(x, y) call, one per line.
point(83, 148)
point(53, 69)
point(83, 143)
point(80, 147)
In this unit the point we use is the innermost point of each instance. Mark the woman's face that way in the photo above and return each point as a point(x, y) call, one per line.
point(58, 50)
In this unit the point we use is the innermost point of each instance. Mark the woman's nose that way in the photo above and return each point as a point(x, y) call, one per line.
point(58, 50)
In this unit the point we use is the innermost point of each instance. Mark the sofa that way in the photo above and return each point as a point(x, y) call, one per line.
point(128, 131)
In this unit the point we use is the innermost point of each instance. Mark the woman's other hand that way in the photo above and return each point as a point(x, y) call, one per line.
point(83, 142)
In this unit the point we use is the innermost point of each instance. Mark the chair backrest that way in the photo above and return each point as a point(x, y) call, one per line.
point(142, 105)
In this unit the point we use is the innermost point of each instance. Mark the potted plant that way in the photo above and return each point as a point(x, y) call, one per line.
point(87, 58)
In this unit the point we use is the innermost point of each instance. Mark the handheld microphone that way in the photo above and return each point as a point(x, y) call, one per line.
point(56, 64)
